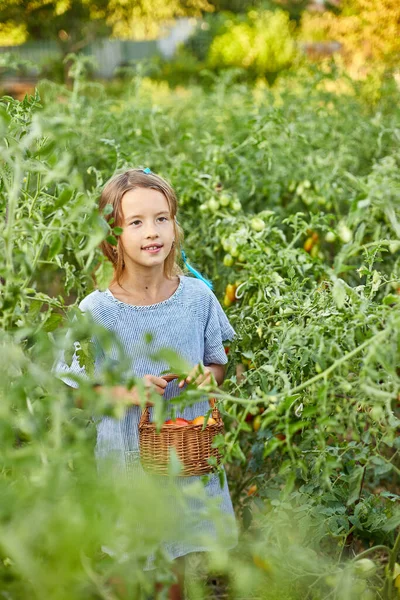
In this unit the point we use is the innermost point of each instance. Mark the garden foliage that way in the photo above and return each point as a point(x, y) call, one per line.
point(291, 198)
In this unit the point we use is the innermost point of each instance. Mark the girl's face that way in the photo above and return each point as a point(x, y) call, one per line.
point(146, 222)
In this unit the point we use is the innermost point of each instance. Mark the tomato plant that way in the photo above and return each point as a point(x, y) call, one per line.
point(299, 230)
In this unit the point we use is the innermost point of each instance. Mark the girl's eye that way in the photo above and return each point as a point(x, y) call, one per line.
point(137, 221)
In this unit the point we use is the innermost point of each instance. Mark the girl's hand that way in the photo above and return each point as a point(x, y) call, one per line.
point(157, 383)
point(200, 379)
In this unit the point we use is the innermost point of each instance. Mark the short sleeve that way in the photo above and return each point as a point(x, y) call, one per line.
point(217, 330)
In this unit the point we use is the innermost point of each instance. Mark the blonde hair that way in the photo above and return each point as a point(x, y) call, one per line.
point(112, 194)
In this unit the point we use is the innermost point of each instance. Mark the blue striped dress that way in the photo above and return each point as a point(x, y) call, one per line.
point(191, 322)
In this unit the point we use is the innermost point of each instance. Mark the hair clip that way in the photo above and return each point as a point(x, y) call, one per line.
point(190, 268)
point(195, 273)
point(147, 171)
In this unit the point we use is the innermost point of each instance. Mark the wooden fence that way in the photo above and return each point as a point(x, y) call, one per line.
point(109, 54)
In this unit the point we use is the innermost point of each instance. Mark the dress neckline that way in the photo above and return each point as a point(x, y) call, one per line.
point(149, 306)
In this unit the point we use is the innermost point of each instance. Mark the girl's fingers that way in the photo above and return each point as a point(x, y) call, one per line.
point(205, 380)
point(201, 378)
point(152, 380)
point(158, 384)
point(192, 374)
point(196, 372)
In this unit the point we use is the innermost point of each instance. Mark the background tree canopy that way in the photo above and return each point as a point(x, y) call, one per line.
point(75, 23)
point(368, 31)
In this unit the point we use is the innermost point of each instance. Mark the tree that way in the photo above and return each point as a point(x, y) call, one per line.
point(369, 31)
point(76, 23)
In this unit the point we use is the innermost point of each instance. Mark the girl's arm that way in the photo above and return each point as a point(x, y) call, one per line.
point(218, 371)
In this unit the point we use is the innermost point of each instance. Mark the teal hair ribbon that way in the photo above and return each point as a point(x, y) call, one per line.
point(195, 273)
point(147, 171)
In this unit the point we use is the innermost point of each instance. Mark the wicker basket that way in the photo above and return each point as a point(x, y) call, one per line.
point(191, 442)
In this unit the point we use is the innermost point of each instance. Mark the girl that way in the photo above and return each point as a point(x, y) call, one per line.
point(149, 293)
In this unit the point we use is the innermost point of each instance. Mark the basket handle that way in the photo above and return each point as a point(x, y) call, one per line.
point(170, 377)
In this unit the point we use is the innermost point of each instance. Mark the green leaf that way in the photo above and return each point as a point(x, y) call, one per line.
point(55, 247)
point(104, 275)
point(271, 445)
point(108, 209)
point(390, 299)
point(174, 466)
point(392, 523)
point(148, 337)
point(4, 116)
point(376, 281)
point(85, 355)
point(355, 481)
point(247, 517)
point(53, 322)
point(112, 240)
point(176, 362)
point(299, 425)
point(339, 293)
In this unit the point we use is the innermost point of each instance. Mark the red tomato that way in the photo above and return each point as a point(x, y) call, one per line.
point(178, 421)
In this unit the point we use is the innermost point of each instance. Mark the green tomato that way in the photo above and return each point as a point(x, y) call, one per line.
point(236, 205)
point(228, 260)
point(225, 243)
point(368, 595)
point(307, 199)
point(257, 224)
point(203, 207)
point(365, 567)
point(345, 233)
point(377, 413)
point(242, 258)
point(330, 237)
point(234, 250)
point(332, 580)
point(224, 199)
point(358, 587)
point(394, 246)
point(213, 205)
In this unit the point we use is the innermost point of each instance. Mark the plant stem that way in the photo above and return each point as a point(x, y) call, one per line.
point(387, 590)
point(378, 336)
point(339, 361)
point(344, 542)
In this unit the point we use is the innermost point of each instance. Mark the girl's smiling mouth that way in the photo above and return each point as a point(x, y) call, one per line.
point(153, 248)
